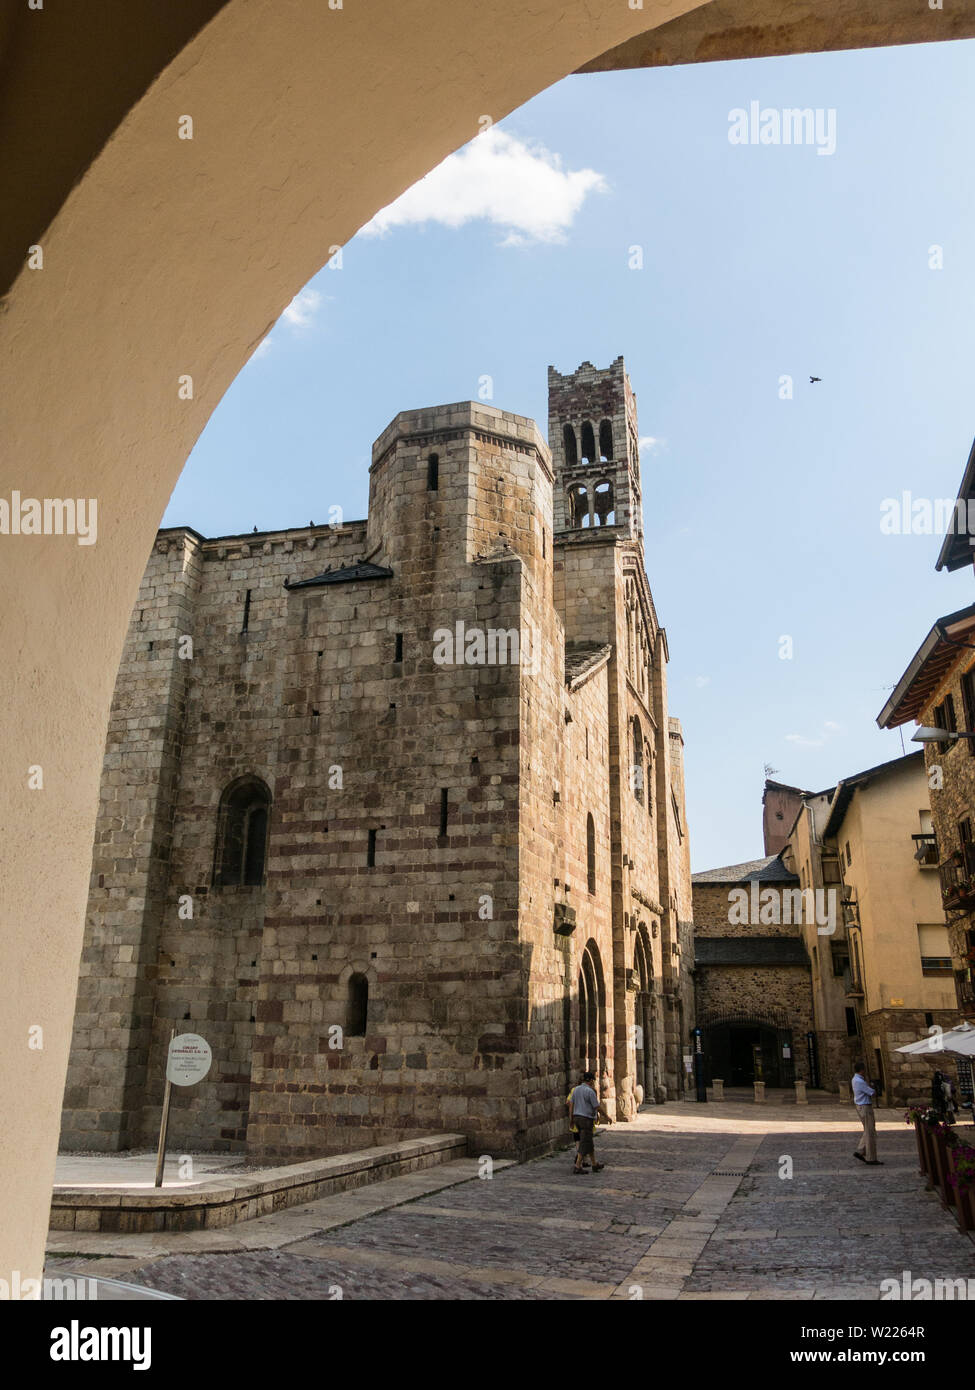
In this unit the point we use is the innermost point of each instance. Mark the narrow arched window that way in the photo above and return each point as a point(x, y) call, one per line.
point(433, 473)
point(569, 446)
point(242, 834)
point(605, 440)
point(591, 852)
point(588, 444)
point(603, 504)
point(636, 768)
point(579, 505)
point(358, 1006)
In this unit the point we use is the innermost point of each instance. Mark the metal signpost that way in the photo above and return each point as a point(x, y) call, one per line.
point(701, 1083)
point(187, 1061)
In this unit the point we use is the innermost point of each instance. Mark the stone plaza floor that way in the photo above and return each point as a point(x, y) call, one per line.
point(716, 1201)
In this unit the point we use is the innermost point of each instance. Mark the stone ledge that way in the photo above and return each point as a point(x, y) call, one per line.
point(220, 1202)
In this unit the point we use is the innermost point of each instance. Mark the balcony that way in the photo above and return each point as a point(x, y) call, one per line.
point(958, 878)
point(926, 851)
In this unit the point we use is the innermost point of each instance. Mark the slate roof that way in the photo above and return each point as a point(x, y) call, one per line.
point(749, 950)
point(768, 870)
point(846, 788)
point(581, 657)
point(346, 575)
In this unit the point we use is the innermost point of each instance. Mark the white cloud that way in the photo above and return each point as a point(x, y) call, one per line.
point(702, 681)
point(301, 312)
point(828, 730)
point(651, 444)
point(498, 178)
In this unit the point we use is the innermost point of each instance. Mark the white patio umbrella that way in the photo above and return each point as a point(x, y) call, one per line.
point(960, 1040)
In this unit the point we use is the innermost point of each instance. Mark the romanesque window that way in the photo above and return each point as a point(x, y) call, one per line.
point(579, 505)
point(588, 444)
point(603, 505)
point(242, 831)
point(636, 768)
point(358, 1006)
point(641, 968)
point(591, 852)
point(605, 440)
point(569, 445)
point(433, 473)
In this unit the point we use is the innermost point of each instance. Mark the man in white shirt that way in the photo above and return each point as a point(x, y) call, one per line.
point(863, 1094)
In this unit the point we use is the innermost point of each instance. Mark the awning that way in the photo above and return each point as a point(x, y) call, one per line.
point(960, 1040)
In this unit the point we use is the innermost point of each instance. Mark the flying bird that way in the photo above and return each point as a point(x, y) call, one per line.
point(814, 378)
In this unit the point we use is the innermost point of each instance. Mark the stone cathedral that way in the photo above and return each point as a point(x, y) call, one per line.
point(392, 811)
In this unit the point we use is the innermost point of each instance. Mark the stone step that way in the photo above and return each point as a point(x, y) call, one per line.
point(222, 1201)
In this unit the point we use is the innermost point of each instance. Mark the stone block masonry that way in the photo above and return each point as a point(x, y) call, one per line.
point(392, 813)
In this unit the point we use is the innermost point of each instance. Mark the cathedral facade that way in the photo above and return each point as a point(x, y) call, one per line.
point(392, 811)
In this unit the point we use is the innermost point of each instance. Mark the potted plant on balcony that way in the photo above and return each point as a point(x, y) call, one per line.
point(961, 1177)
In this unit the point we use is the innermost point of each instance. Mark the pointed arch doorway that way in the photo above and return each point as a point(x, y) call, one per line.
point(643, 978)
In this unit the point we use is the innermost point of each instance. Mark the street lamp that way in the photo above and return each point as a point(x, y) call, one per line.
point(926, 734)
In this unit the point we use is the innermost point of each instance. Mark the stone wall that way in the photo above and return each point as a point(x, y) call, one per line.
point(951, 779)
point(759, 992)
point(907, 1075)
point(430, 785)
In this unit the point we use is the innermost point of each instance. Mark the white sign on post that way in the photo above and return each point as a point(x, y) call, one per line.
point(189, 1059)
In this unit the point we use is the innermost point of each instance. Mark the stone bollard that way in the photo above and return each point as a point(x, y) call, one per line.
point(717, 1087)
point(759, 1092)
point(801, 1093)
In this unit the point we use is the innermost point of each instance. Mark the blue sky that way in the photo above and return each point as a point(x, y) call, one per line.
point(762, 515)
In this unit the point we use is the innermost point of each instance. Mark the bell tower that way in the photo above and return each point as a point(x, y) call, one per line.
point(594, 440)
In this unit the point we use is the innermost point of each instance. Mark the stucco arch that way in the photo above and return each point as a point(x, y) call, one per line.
point(172, 258)
point(164, 259)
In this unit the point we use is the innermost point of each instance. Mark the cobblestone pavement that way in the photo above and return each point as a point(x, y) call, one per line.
point(716, 1202)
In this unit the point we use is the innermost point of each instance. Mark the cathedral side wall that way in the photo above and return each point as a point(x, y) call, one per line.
point(109, 1060)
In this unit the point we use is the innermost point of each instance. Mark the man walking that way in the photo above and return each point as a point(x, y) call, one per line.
point(584, 1108)
point(863, 1094)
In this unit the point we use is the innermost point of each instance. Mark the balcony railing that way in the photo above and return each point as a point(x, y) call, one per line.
point(958, 878)
point(926, 851)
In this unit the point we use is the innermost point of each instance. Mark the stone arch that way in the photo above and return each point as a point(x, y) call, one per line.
point(643, 979)
point(587, 444)
point(243, 829)
point(637, 770)
point(604, 506)
point(278, 173)
point(354, 1003)
point(578, 502)
point(569, 446)
point(592, 1050)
